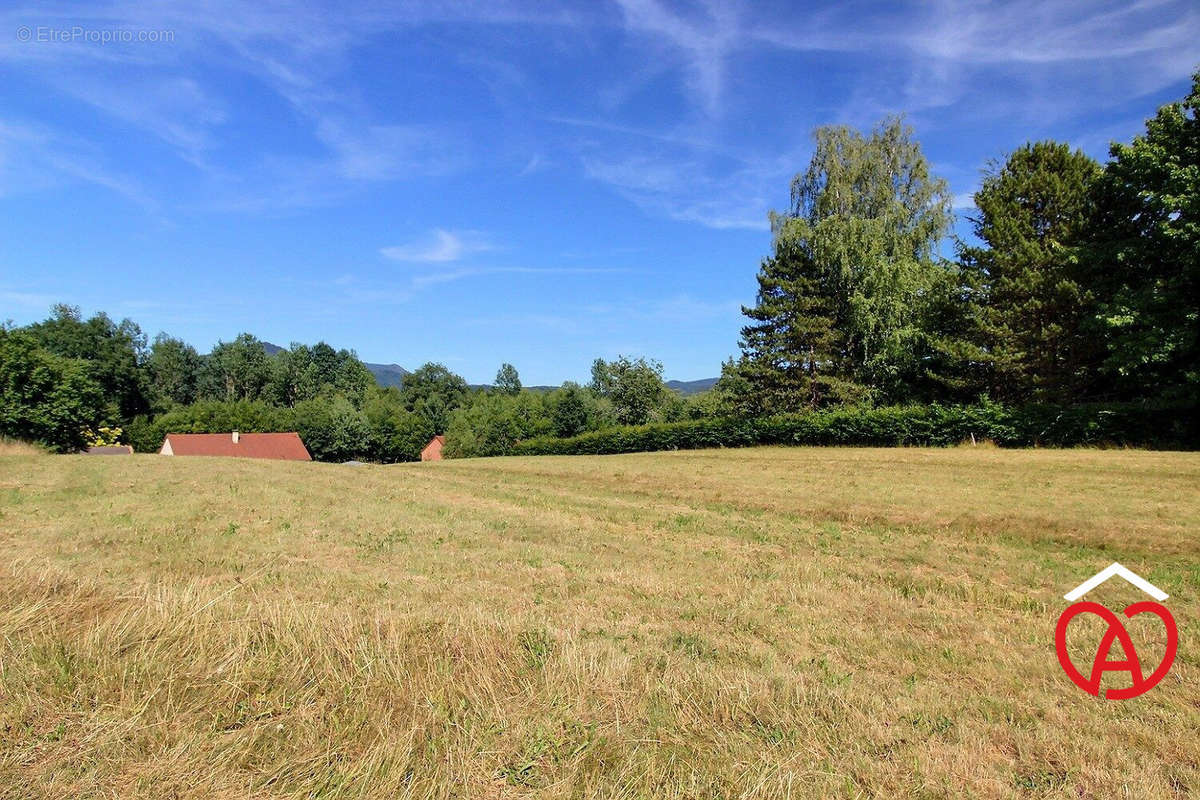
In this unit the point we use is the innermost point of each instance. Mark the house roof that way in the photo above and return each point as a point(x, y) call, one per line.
point(287, 446)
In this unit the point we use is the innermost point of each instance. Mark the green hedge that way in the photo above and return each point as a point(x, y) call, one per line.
point(934, 425)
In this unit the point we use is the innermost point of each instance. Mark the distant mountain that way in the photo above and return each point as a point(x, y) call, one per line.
point(685, 388)
point(387, 374)
point(692, 387)
point(393, 375)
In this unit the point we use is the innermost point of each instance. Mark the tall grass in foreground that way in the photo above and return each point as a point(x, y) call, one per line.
point(754, 623)
point(16, 447)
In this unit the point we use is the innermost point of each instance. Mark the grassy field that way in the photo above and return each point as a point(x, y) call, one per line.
point(719, 624)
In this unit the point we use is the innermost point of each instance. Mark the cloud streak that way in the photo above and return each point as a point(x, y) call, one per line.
point(440, 247)
point(698, 162)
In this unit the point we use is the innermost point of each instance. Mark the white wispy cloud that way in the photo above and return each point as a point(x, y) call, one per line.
point(1038, 59)
point(684, 188)
point(704, 41)
point(439, 247)
point(37, 158)
point(389, 152)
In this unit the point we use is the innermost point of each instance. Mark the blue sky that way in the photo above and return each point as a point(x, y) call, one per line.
point(486, 182)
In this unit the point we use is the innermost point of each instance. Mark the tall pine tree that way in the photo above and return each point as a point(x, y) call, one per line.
point(1029, 299)
point(792, 351)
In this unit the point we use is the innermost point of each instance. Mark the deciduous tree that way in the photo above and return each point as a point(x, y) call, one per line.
point(1146, 265)
point(635, 387)
point(842, 301)
point(173, 367)
point(507, 380)
point(45, 397)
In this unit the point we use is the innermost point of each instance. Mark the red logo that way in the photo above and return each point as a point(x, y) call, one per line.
point(1140, 683)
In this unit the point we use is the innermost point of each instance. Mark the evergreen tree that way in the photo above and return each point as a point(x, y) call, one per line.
point(791, 352)
point(1029, 300)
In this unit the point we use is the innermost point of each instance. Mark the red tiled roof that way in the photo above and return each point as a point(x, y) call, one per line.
point(433, 450)
point(286, 446)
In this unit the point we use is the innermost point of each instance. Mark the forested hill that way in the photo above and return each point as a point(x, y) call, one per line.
point(393, 375)
point(385, 374)
point(686, 388)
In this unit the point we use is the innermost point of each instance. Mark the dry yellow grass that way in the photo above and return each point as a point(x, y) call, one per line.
point(748, 623)
point(16, 447)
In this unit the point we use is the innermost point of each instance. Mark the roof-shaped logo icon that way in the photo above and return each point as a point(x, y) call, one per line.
point(1111, 570)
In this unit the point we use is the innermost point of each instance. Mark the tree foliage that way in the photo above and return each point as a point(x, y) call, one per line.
point(569, 413)
point(112, 353)
point(434, 392)
point(1029, 299)
point(173, 371)
point(507, 380)
point(892, 426)
point(301, 373)
point(634, 386)
point(493, 423)
point(842, 301)
point(45, 397)
point(1145, 265)
point(793, 348)
point(237, 370)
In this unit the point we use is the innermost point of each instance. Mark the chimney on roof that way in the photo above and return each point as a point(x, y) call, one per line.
point(235, 437)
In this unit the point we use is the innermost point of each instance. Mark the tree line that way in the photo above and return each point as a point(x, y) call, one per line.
point(70, 382)
point(1079, 285)
point(1077, 288)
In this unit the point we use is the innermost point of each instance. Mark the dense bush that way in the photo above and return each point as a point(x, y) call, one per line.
point(44, 397)
point(493, 423)
point(932, 425)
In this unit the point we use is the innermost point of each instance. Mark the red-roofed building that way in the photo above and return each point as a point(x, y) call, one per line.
point(283, 446)
point(433, 450)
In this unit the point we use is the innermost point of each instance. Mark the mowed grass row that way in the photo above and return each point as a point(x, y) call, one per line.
point(715, 624)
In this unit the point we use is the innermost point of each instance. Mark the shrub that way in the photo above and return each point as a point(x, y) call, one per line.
point(45, 398)
point(932, 425)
